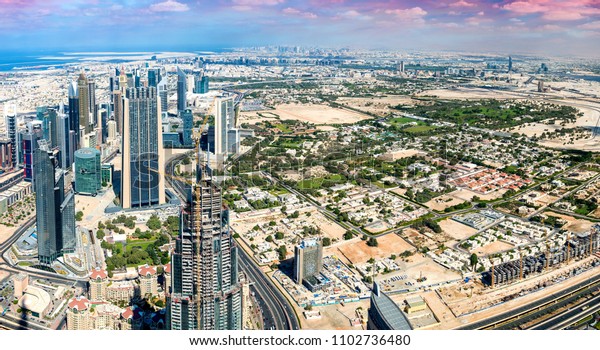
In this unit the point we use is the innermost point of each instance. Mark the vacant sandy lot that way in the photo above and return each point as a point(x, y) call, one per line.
point(442, 202)
point(335, 316)
point(357, 251)
point(318, 114)
point(574, 225)
point(494, 247)
point(457, 230)
point(467, 195)
point(377, 105)
point(418, 265)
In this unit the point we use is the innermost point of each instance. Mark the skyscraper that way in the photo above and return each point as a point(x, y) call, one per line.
point(201, 84)
point(206, 292)
point(118, 111)
point(224, 118)
point(181, 90)
point(63, 139)
point(510, 64)
point(93, 106)
point(142, 178)
point(163, 94)
point(308, 259)
point(29, 143)
point(188, 125)
point(55, 210)
point(10, 114)
point(154, 77)
point(74, 112)
point(88, 173)
point(83, 90)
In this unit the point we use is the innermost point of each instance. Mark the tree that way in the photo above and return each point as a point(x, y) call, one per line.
point(279, 235)
point(282, 252)
point(326, 241)
point(153, 223)
point(348, 235)
point(372, 242)
point(269, 238)
point(474, 260)
point(100, 234)
point(79, 216)
point(295, 215)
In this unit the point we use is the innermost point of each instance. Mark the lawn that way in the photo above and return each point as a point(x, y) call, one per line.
point(402, 120)
point(284, 128)
point(319, 182)
point(419, 129)
point(143, 244)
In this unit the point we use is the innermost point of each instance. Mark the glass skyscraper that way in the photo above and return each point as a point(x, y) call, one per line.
point(142, 179)
point(88, 171)
point(55, 210)
point(188, 124)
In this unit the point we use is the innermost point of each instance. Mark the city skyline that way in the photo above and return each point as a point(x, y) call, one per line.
point(522, 26)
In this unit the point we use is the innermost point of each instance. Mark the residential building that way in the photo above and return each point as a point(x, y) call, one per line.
point(148, 281)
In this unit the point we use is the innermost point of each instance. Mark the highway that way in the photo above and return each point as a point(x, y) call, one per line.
point(571, 316)
point(519, 314)
point(276, 310)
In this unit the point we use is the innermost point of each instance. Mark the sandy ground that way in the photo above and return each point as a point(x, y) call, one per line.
point(442, 202)
point(492, 248)
point(93, 207)
point(418, 265)
point(3, 275)
point(467, 195)
point(335, 317)
point(457, 230)
point(318, 114)
point(378, 105)
point(357, 251)
point(573, 225)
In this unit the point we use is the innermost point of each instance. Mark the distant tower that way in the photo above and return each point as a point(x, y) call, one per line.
point(55, 210)
point(206, 292)
point(154, 77)
point(224, 121)
point(510, 64)
point(401, 67)
point(118, 110)
point(10, 114)
point(181, 90)
point(93, 120)
point(540, 86)
point(188, 125)
point(142, 180)
point(83, 89)
point(163, 94)
point(74, 112)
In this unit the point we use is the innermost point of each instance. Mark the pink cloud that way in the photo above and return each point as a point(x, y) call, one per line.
point(258, 2)
point(414, 14)
point(169, 6)
point(555, 10)
point(462, 3)
point(590, 26)
point(295, 12)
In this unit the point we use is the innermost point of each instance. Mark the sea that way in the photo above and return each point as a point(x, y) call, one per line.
point(16, 61)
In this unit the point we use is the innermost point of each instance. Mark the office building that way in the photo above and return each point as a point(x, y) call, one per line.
point(188, 125)
point(29, 143)
point(63, 139)
point(206, 292)
point(308, 259)
point(201, 84)
point(154, 77)
point(10, 115)
point(384, 313)
point(510, 64)
point(74, 113)
point(142, 177)
point(88, 173)
point(111, 132)
point(181, 90)
point(118, 111)
point(6, 150)
point(163, 94)
point(224, 121)
point(55, 209)
point(93, 106)
point(85, 114)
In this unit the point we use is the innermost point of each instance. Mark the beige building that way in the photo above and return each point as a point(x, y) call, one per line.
point(148, 281)
point(78, 314)
point(120, 291)
point(98, 285)
point(21, 281)
point(167, 278)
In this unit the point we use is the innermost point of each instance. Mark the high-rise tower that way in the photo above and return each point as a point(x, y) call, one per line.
point(10, 113)
point(74, 113)
point(181, 90)
point(205, 292)
point(142, 180)
point(55, 210)
point(83, 89)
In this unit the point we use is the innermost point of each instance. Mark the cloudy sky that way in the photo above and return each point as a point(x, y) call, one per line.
point(562, 27)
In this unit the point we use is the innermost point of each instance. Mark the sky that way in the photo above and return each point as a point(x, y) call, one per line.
point(560, 27)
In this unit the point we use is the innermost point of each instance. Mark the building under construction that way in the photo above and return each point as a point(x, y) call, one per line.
point(578, 246)
point(205, 289)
